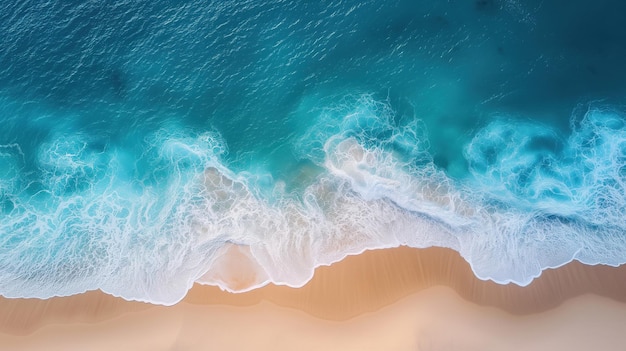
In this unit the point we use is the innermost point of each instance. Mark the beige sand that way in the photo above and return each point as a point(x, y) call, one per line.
point(433, 319)
point(395, 299)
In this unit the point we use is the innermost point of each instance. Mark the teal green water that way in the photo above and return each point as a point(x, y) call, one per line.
point(140, 137)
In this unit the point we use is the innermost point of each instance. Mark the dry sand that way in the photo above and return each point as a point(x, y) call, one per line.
point(392, 299)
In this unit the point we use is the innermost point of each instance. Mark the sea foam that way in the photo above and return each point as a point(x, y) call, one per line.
point(146, 228)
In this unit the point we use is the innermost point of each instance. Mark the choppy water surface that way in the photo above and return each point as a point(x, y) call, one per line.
point(138, 138)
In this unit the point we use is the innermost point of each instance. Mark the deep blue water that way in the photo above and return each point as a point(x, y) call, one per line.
point(493, 127)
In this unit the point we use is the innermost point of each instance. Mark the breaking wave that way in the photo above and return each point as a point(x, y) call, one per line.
point(93, 215)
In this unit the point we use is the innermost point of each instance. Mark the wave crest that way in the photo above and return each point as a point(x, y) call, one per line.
point(146, 226)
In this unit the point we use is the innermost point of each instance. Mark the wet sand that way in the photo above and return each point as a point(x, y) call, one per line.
point(391, 299)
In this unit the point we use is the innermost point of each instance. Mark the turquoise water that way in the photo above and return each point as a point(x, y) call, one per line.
point(138, 138)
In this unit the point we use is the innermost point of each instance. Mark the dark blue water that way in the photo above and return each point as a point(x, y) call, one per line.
point(138, 138)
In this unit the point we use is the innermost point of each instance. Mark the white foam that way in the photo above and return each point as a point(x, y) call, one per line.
point(152, 237)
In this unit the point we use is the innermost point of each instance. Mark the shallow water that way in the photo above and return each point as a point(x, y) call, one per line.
point(139, 137)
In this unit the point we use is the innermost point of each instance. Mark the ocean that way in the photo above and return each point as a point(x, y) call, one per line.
point(138, 138)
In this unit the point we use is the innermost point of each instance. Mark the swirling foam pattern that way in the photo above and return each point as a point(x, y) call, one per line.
point(140, 141)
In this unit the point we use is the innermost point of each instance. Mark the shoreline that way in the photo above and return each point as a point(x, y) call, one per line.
point(355, 286)
point(374, 279)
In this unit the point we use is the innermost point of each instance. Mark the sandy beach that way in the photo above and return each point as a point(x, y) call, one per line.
point(391, 299)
